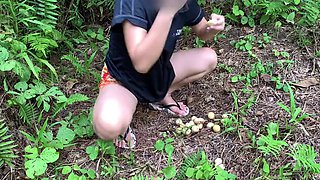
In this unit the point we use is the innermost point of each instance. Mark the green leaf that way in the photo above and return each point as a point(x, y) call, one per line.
point(284, 107)
point(66, 170)
point(21, 86)
point(4, 54)
point(159, 146)
point(290, 17)
point(244, 20)
point(35, 167)
point(199, 174)
point(30, 64)
point(190, 172)
point(93, 152)
point(33, 152)
point(235, 79)
point(49, 155)
point(91, 173)
point(248, 46)
point(296, 2)
point(65, 135)
point(266, 168)
point(169, 172)
point(264, 19)
point(73, 176)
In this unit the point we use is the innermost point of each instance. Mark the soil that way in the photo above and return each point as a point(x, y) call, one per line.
point(211, 93)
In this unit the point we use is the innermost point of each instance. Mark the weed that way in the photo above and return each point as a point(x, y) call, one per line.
point(73, 171)
point(295, 112)
point(6, 145)
point(267, 144)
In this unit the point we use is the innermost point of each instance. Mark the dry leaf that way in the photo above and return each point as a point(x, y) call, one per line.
point(266, 77)
point(307, 83)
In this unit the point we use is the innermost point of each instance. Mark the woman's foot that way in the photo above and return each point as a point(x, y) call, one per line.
point(171, 106)
point(127, 141)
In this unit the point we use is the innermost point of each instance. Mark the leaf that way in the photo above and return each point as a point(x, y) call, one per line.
point(235, 79)
point(35, 167)
point(284, 107)
point(264, 19)
point(290, 17)
point(30, 64)
point(248, 46)
point(65, 135)
point(33, 152)
point(266, 168)
point(244, 20)
point(190, 172)
point(169, 172)
point(307, 83)
point(4, 54)
point(296, 2)
point(93, 152)
point(21, 86)
point(91, 173)
point(159, 146)
point(49, 155)
point(66, 170)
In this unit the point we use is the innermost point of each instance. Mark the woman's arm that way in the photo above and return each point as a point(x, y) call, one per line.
point(207, 30)
point(144, 47)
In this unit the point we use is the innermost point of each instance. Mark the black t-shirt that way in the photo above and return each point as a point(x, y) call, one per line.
point(152, 86)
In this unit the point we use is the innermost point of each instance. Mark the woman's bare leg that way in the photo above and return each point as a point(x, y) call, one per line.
point(190, 65)
point(113, 112)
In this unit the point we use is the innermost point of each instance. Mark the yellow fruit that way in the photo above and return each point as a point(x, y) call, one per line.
point(195, 129)
point(193, 118)
point(188, 132)
point(211, 115)
point(200, 126)
point(199, 121)
point(210, 125)
point(179, 122)
point(179, 130)
point(216, 128)
point(212, 22)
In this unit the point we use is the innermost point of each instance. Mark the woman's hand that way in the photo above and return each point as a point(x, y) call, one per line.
point(172, 6)
point(216, 24)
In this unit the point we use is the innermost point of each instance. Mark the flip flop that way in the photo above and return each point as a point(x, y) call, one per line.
point(133, 139)
point(166, 108)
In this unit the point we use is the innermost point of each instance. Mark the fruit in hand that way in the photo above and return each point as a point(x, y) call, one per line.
point(212, 22)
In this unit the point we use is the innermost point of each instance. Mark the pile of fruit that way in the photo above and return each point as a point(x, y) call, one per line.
point(196, 124)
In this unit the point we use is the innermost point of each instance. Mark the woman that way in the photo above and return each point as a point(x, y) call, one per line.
point(141, 65)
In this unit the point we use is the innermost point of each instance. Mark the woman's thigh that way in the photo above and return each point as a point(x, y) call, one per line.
point(193, 62)
point(113, 111)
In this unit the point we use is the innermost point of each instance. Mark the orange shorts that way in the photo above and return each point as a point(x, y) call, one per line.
point(106, 78)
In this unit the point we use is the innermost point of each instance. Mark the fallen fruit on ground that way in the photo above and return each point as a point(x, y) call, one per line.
point(211, 115)
point(193, 118)
point(216, 128)
point(200, 126)
point(210, 125)
point(188, 132)
point(224, 116)
point(198, 120)
point(195, 129)
point(179, 122)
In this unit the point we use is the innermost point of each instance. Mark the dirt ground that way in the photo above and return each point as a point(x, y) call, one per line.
point(212, 93)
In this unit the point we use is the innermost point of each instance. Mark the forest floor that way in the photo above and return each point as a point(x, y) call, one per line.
point(213, 93)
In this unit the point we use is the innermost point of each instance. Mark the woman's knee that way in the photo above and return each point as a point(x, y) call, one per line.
point(109, 125)
point(211, 58)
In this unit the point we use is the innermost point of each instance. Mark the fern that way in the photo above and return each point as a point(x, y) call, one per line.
point(6, 145)
point(305, 156)
point(63, 102)
point(46, 12)
point(310, 11)
point(190, 161)
point(28, 113)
